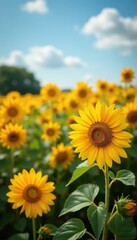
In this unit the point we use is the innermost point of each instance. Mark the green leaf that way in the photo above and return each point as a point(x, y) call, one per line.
point(20, 224)
point(82, 197)
point(6, 219)
point(21, 236)
point(111, 175)
point(71, 230)
point(97, 216)
point(123, 228)
point(80, 170)
point(126, 177)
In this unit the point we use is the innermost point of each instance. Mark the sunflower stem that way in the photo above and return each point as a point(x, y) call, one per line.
point(12, 160)
point(34, 228)
point(105, 231)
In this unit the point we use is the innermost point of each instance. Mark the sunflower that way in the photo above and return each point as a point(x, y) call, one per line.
point(98, 134)
point(12, 110)
point(13, 94)
point(130, 110)
point(51, 131)
point(32, 192)
point(61, 155)
point(127, 75)
point(83, 91)
point(50, 92)
point(13, 135)
point(102, 85)
point(72, 103)
point(45, 116)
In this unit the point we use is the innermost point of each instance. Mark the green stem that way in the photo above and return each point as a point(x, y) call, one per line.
point(34, 228)
point(111, 218)
point(90, 234)
point(106, 201)
point(12, 160)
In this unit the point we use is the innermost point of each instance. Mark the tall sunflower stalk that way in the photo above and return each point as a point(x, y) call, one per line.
point(99, 136)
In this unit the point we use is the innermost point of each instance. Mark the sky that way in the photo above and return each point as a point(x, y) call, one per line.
point(67, 41)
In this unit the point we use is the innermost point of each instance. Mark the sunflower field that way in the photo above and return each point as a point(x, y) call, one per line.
point(68, 162)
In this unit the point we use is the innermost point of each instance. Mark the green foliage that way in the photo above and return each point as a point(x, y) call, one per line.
point(18, 79)
point(125, 176)
point(82, 197)
point(97, 217)
point(71, 230)
point(80, 170)
point(21, 236)
point(123, 228)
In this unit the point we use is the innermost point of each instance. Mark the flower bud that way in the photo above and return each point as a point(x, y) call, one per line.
point(126, 207)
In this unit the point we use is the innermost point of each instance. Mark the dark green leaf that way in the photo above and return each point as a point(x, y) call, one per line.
point(97, 216)
point(123, 228)
point(71, 230)
point(82, 197)
point(6, 219)
point(21, 236)
point(20, 224)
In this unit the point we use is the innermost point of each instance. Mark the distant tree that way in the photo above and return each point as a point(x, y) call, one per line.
point(17, 79)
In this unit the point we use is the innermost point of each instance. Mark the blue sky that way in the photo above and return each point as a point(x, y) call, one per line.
point(66, 41)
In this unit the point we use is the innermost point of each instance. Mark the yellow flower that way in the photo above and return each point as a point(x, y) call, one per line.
point(12, 110)
point(13, 136)
point(127, 75)
point(50, 92)
point(13, 94)
point(102, 85)
point(61, 155)
point(83, 91)
point(51, 131)
point(72, 103)
point(32, 192)
point(130, 110)
point(98, 134)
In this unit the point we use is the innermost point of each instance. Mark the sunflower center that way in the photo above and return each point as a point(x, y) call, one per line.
point(100, 134)
point(82, 93)
point(13, 137)
point(73, 104)
point(61, 157)
point(127, 75)
point(132, 117)
point(51, 92)
point(50, 132)
point(32, 194)
point(12, 111)
point(103, 86)
point(130, 97)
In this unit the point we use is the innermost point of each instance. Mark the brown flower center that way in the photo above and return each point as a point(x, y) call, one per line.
point(132, 117)
point(73, 104)
point(82, 93)
point(51, 92)
point(61, 156)
point(13, 137)
point(127, 75)
point(50, 132)
point(100, 134)
point(31, 193)
point(103, 86)
point(12, 112)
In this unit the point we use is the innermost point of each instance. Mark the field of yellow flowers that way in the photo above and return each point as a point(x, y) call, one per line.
point(68, 162)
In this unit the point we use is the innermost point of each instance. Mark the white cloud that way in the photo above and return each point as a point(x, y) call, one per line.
point(71, 61)
point(88, 77)
point(112, 30)
point(41, 57)
point(39, 6)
